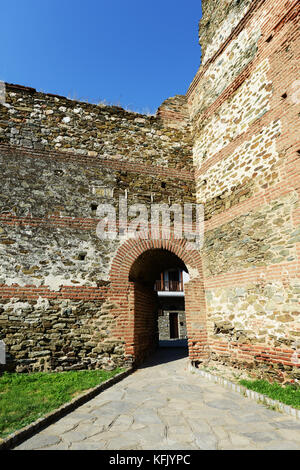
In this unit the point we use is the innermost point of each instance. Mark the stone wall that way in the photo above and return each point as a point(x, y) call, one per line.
point(46, 122)
point(234, 116)
point(60, 159)
point(174, 112)
point(258, 313)
point(56, 334)
point(218, 21)
point(259, 238)
point(220, 73)
point(243, 107)
point(49, 218)
point(167, 305)
point(164, 325)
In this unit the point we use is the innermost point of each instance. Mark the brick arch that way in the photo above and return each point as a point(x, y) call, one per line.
point(127, 296)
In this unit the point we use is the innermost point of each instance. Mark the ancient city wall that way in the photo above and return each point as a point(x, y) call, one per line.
point(244, 106)
point(231, 144)
point(60, 160)
point(48, 122)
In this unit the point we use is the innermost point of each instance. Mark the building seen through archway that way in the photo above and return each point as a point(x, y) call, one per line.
point(158, 277)
point(171, 307)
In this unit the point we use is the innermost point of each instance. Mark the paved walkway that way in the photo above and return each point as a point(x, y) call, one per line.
point(163, 406)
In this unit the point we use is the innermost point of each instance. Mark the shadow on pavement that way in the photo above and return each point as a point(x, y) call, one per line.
point(173, 343)
point(165, 354)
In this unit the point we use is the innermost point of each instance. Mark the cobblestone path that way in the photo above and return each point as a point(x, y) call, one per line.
point(163, 406)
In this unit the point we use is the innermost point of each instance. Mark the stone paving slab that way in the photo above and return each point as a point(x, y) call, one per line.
point(162, 406)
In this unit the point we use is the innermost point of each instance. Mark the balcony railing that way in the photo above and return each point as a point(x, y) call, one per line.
point(170, 286)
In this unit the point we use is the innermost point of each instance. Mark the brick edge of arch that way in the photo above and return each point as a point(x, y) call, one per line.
point(130, 250)
point(123, 292)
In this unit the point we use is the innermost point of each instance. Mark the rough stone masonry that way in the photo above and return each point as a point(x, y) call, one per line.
point(69, 300)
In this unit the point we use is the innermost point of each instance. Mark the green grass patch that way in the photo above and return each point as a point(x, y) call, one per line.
point(27, 397)
point(289, 394)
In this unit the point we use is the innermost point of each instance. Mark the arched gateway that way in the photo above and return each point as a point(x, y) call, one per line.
point(132, 275)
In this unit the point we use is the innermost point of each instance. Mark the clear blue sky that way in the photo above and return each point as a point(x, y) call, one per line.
point(134, 53)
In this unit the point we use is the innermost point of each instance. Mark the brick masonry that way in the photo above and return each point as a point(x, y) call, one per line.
point(247, 174)
point(70, 300)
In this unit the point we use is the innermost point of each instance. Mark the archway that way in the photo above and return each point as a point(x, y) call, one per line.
point(133, 273)
point(150, 295)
